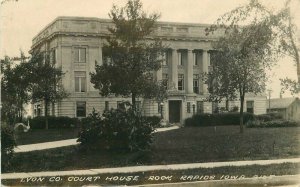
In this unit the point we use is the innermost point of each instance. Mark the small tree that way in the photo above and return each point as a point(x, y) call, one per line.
point(46, 82)
point(15, 89)
point(243, 53)
point(129, 57)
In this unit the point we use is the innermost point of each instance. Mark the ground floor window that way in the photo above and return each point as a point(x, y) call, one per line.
point(188, 107)
point(81, 109)
point(250, 106)
point(200, 107)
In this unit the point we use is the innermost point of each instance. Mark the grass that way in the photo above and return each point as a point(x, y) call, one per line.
point(42, 135)
point(188, 175)
point(185, 145)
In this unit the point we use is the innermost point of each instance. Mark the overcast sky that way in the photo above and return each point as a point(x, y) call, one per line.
point(21, 21)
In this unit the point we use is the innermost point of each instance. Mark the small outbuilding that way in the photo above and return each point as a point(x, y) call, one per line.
point(289, 108)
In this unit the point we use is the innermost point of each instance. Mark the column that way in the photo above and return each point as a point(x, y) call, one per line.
point(174, 70)
point(189, 72)
point(205, 69)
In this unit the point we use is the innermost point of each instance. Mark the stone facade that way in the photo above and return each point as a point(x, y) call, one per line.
point(75, 45)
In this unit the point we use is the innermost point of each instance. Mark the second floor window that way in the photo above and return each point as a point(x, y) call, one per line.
point(180, 82)
point(80, 81)
point(196, 83)
point(80, 54)
point(165, 58)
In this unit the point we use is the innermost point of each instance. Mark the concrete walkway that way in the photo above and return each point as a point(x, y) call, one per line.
point(133, 169)
point(63, 143)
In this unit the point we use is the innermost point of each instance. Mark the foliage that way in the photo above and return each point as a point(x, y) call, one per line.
point(116, 129)
point(46, 81)
point(200, 120)
point(53, 122)
point(7, 146)
point(243, 53)
point(268, 117)
point(154, 120)
point(129, 58)
point(15, 89)
point(272, 123)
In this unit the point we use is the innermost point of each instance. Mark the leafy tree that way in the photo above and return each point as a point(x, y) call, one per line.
point(15, 89)
point(243, 53)
point(46, 81)
point(130, 58)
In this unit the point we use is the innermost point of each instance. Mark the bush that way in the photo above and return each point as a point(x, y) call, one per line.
point(217, 119)
point(154, 121)
point(7, 146)
point(53, 122)
point(116, 129)
point(268, 117)
point(272, 123)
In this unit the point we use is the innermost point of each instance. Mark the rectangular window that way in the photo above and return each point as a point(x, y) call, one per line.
point(195, 62)
point(180, 58)
point(81, 109)
point(80, 81)
point(188, 107)
point(80, 54)
point(120, 105)
point(200, 107)
point(180, 82)
point(165, 79)
point(106, 105)
point(165, 58)
point(196, 83)
point(215, 107)
point(53, 56)
point(250, 106)
point(138, 105)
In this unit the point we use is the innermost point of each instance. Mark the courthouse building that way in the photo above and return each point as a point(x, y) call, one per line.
point(75, 44)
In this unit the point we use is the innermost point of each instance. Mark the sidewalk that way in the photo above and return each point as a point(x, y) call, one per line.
point(133, 169)
point(63, 143)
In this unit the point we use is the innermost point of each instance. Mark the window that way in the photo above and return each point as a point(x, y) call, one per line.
point(80, 54)
point(120, 105)
point(182, 58)
point(188, 107)
point(215, 107)
point(165, 58)
point(106, 105)
point(180, 82)
point(80, 109)
point(200, 107)
point(195, 62)
point(138, 105)
point(196, 83)
point(80, 81)
point(250, 106)
point(165, 79)
point(53, 56)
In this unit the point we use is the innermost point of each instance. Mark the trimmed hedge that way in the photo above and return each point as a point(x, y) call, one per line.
point(269, 117)
point(53, 122)
point(231, 118)
point(272, 123)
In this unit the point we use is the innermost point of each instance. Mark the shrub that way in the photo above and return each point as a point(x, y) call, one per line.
point(116, 129)
point(272, 123)
point(7, 146)
point(268, 117)
point(217, 119)
point(53, 122)
point(154, 121)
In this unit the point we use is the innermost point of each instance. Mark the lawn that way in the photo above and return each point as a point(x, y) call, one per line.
point(185, 145)
point(42, 135)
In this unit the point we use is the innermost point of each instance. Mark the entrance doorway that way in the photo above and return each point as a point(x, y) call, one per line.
point(174, 111)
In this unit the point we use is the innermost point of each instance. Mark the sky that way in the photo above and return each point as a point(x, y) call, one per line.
point(20, 21)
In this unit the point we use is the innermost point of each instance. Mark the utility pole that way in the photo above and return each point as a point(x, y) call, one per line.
point(269, 91)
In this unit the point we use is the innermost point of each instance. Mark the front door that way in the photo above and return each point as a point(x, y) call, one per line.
point(174, 111)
